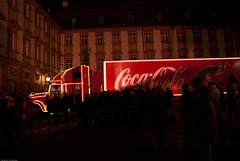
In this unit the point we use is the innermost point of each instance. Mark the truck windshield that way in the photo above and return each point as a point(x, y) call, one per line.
point(55, 88)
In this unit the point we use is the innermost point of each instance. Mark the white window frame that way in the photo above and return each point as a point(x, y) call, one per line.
point(197, 36)
point(180, 36)
point(133, 57)
point(12, 2)
point(26, 9)
point(84, 61)
point(116, 58)
point(52, 59)
point(148, 36)
point(26, 89)
point(11, 87)
point(100, 38)
point(68, 39)
point(132, 37)
point(68, 63)
point(228, 35)
point(45, 26)
point(37, 18)
point(164, 35)
point(37, 52)
point(166, 56)
point(182, 56)
point(116, 37)
point(53, 32)
point(84, 39)
point(100, 63)
point(212, 35)
point(11, 40)
point(26, 47)
point(45, 57)
point(150, 57)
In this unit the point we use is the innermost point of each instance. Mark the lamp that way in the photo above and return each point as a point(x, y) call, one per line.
point(47, 78)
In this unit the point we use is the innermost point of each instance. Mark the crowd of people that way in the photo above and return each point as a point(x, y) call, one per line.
point(201, 107)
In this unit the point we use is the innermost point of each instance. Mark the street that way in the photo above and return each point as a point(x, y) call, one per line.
point(64, 141)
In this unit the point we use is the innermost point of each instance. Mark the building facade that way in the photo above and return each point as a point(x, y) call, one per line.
point(35, 42)
point(30, 47)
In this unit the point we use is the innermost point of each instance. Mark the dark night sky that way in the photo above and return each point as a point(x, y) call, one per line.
point(226, 6)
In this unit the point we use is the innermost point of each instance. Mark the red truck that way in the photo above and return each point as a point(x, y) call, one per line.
point(73, 80)
point(148, 74)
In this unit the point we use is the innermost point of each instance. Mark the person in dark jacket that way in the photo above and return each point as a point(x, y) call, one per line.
point(160, 114)
point(78, 104)
point(205, 130)
point(187, 112)
point(28, 107)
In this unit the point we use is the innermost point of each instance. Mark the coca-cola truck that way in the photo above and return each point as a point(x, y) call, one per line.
point(148, 74)
point(73, 80)
point(170, 73)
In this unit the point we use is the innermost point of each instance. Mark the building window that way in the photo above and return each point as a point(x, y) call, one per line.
point(164, 35)
point(84, 39)
point(99, 38)
point(116, 58)
point(101, 20)
point(11, 38)
point(229, 54)
point(11, 2)
point(228, 35)
point(133, 57)
point(150, 57)
point(165, 56)
point(52, 59)
point(130, 18)
point(74, 21)
point(58, 62)
point(214, 54)
point(68, 39)
point(58, 37)
point(26, 9)
point(11, 87)
point(45, 26)
point(159, 17)
point(132, 37)
point(85, 61)
point(116, 37)
point(187, 17)
point(37, 19)
point(37, 52)
point(53, 32)
point(100, 63)
point(212, 35)
point(198, 55)
point(182, 56)
point(197, 36)
point(26, 89)
point(180, 36)
point(68, 63)
point(45, 57)
point(25, 47)
point(148, 36)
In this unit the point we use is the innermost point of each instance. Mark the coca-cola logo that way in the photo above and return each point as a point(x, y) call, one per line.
point(164, 77)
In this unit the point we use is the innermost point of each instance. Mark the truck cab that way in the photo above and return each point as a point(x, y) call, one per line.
point(74, 80)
